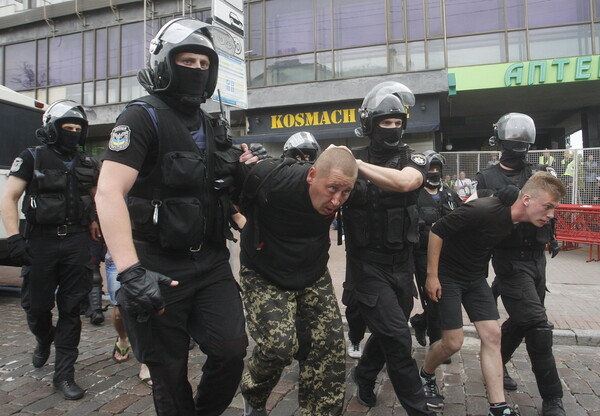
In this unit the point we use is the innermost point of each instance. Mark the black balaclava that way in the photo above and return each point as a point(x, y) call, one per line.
point(433, 180)
point(514, 154)
point(191, 85)
point(67, 142)
point(384, 142)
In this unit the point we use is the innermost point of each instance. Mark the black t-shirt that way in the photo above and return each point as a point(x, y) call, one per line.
point(470, 232)
point(293, 243)
point(23, 164)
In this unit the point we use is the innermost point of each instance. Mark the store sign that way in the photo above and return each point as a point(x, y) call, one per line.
point(314, 118)
point(549, 71)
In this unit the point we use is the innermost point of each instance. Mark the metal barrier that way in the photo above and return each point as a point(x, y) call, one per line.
point(579, 224)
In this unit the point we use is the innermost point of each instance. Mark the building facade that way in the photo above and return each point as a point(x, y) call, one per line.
point(309, 63)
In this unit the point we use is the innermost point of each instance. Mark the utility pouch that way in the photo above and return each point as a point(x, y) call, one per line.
point(86, 178)
point(394, 231)
point(412, 232)
point(356, 223)
point(183, 170)
point(50, 180)
point(181, 224)
point(49, 208)
point(140, 212)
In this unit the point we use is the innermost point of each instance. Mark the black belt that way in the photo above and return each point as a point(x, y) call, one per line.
point(504, 254)
point(58, 230)
point(382, 258)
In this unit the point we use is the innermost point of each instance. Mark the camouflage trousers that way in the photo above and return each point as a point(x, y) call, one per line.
point(271, 317)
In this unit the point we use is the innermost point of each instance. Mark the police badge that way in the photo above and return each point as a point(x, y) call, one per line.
point(119, 138)
point(418, 159)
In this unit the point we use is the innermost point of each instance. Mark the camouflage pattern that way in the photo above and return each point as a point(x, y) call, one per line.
point(271, 316)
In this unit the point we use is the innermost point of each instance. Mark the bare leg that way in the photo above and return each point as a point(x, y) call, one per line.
point(119, 327)
point(440, 351)
point(491, 359)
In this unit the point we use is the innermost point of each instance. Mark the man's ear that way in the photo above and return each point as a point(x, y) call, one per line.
point(526, 199)
point(312, 174)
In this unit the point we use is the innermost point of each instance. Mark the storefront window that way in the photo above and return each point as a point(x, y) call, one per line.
point(476, 50)
point(560, 42)
point(290, 69)
point(325, 65)
point(132, 48)
point(358, 22)
point(20, 66)
point(289, 27)
point(65, 59)
point(517, 46)
point(557, 12)
point(360, 61)
point(465, 16)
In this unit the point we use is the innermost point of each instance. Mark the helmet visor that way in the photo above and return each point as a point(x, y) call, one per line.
point(180, 29)
point(517, 128)
point(383, 91)
point(65, 109)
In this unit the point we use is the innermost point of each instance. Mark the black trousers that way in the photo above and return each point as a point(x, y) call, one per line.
point(522, 287)
point(385, 294)
point(431, 310)
point(206, 305)
point(57, 274)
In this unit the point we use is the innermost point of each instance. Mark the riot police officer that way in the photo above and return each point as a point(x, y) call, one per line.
point(58, 180)
point(520, 264)
point(381, 229)
point(173, 162)
point(435, 201)
point(302, 146)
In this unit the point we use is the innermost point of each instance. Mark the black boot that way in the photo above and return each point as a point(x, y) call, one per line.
point(509, 383)
point(553, 407)
point(364, 390)
point(420, 326)
point(42, 351)
point(69, 389)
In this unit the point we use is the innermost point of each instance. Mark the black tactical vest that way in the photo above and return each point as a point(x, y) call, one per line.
point(176, 204)
point(375, 219)
point(430, 211)
point(58, 195)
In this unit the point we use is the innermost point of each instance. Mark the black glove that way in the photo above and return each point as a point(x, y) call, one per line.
point(508, 195)
point(139, 294)
point(17, 248)
point(258, 150)
point(553, 248)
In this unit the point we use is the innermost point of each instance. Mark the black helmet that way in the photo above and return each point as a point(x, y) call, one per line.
point(434, 159)
point(514, 127)
point(58, 113)
point(301, 144)
point(385, 100)
point(178, 35)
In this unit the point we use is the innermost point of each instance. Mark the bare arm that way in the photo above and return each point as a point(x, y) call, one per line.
point(114, 183)
point(432, 284)
point(405, 180)
point(9, 205)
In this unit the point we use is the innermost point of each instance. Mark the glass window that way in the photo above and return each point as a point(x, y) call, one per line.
point(415, 16)
point(132, 48)
point(596, 42)
point(289, 27)
point(65, 64)
point(557, 12)
point(20, 66)
point(325, 65)
point(397, 53)
point(256, 29)
point(113, 91)
point(113, 51)
point(88, 54)
point(435, 53)
point(397, 19)
point(515, 14)
point(290, 69)
point(257, 73)
point(596, 9)
point(358, 22)
point(100, 92)
point(467, 16)
point(476, 50)
point(517, 46)
point(42, 62)
point(130, 89)
point(2, 65)
point(560, 42)
point(361, 61)
point(434, 18)
point(101, 53)
point(68, 92)
point(416, 56)
point(88, 93)
point(323, 19)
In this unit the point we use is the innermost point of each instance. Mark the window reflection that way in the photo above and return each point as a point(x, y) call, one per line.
point(290, 69)
point(517, 47)
point(360, 61)
point(467, 16)
point(20, 66)
point(132, 48)
point(257, 73)
point(65, 62)
point(131, 89)
point(556, 12)
point(358, 22)
point(289, 27)
point(560, 42)
point(476, 50)
point(68, 92)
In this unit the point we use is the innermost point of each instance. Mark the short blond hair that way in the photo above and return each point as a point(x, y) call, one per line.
point(544, 182)
point(336, 158)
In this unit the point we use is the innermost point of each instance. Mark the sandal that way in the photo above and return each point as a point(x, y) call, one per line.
point(123, 352)
point(147, 381)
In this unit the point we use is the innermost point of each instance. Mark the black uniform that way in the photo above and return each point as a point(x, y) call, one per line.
point(520, 266)
point(179, 224)
point(431, 208)
point(381, 230)
point(58, 208)
point(284, 255)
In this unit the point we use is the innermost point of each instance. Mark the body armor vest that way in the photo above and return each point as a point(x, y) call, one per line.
point(526, 236)
point(431, 210)
point(381, 220)
point(58, 195)
point(176, 204)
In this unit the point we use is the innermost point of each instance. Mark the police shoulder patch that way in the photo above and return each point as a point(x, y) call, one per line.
point(419, 159)
point(120, 137)
point(16, 164)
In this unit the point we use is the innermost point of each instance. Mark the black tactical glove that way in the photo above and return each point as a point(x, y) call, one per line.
point(508, 195)
point(19, 253)
point(258, 150)
point(553, 248)
point(139, 294)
